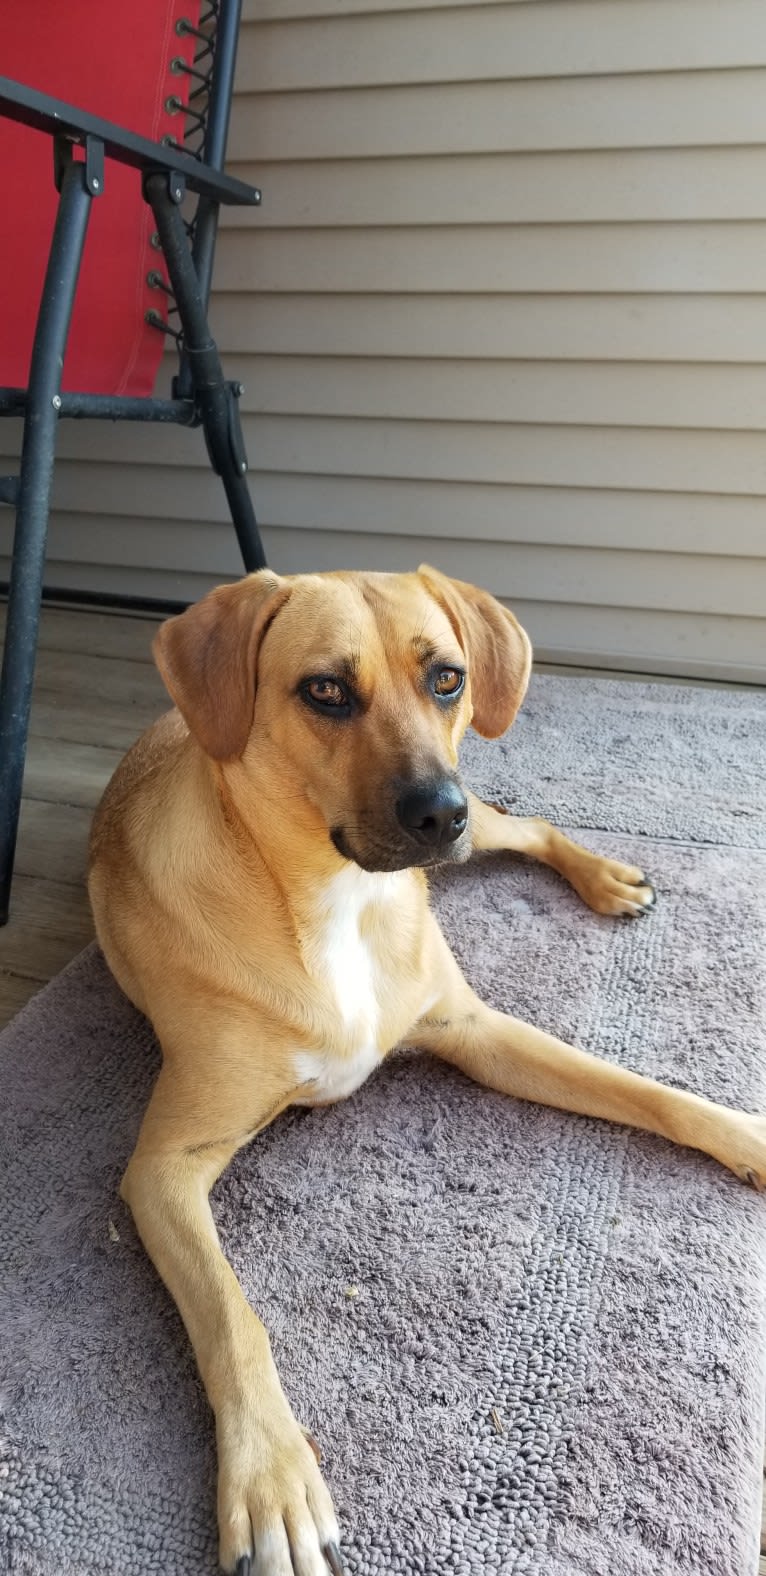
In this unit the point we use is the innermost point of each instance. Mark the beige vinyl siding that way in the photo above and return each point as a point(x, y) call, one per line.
point(504, 308)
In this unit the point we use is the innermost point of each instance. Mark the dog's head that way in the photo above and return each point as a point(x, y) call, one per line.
point(353, 691)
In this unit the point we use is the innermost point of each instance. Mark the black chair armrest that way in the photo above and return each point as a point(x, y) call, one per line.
point(44, 113)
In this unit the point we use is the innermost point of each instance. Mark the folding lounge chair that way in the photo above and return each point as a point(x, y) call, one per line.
point(135, 221)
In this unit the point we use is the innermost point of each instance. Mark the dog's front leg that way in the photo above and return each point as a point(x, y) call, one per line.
point(604, 884)
point(517, 1059)
point(273, 1506)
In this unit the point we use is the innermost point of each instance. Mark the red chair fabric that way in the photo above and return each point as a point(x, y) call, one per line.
point(114, 61)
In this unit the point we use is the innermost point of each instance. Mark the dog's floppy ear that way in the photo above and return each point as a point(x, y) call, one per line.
point(498, 650)
point(208, 655)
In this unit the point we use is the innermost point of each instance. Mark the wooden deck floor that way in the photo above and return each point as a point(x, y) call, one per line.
point(96, 689)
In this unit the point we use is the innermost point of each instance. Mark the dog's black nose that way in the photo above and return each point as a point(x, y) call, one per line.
point(434, 814)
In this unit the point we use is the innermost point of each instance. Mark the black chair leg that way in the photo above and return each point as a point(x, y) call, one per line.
point(215, 400)
point(33, 506)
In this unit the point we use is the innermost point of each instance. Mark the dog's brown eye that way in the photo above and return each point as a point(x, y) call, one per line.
point(328, 696)
point(448, 681)
point(325, 692)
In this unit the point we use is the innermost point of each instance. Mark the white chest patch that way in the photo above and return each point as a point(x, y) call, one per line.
point(339, 955)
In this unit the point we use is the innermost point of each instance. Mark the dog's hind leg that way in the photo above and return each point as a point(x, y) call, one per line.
point(604, 884)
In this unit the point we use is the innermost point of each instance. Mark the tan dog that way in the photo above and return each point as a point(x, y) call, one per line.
point(257, 881)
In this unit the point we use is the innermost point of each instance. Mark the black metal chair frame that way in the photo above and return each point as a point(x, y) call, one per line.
point(200, 396)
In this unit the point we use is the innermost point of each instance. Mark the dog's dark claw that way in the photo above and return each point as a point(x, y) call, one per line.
point(646, 908)
point(331, 1553)
point(244, 1566)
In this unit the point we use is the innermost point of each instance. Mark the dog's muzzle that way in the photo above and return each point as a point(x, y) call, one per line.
point(425, 825)
point(433, 815)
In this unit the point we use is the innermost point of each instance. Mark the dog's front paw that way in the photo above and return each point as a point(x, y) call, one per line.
point(275, 1515)
point(611, 888)
point(746, 1151)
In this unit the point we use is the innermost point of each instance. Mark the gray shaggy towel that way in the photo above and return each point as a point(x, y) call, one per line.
point(528, 1342)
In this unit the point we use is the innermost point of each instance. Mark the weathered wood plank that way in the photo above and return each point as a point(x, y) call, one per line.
point(15, 992)
point(53, 841)
point(91, 684)
point(96, 689)
point(94, 700)
point(94, 633)
point(100, 724)
point(59, 771)
point(50, 922)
